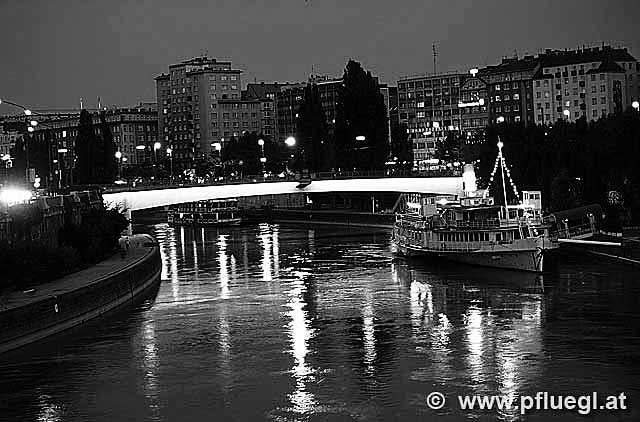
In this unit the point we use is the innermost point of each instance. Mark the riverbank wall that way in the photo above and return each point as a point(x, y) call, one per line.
point(30, 316)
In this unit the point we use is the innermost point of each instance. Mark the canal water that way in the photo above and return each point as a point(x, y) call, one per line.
point(291, 323)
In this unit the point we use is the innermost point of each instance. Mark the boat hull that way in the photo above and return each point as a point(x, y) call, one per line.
point(205, 223)
point(521, 260)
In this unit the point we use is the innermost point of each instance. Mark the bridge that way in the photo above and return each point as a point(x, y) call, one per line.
point(135, 199)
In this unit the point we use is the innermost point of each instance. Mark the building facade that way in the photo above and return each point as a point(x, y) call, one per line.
point(428, 106)
point(190, 119)
point(509, 87)
point(585, 83)
point(134, 131)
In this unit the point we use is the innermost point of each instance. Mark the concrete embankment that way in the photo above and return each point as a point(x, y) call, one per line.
point(29, 316)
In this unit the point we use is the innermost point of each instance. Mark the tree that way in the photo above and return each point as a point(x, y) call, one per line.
point(85, 150)
point(109, 161)
point(401, 146)
point(448, 149)
point(312, 136)
point(361, 131)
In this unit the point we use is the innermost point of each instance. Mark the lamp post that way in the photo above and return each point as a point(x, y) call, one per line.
point(156, 147)
point(118, 155)
point(170, 154)
point(567, 114)
point(636, 105)
point(60, 151)
point(290, 142)
point(263, 159)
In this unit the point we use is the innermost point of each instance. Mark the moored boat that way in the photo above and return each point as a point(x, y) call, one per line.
point(474, 230)
point(212, 212)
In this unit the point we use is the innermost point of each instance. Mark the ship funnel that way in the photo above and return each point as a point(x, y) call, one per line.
point(469, 180)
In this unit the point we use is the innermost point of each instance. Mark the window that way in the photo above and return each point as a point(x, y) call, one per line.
point(516, 96)
point(594, 113)
point(603, 100)
point(594, 101)
point(603, 88)
point(212, 87)
point(223, 78)
point(234, 78)
point(538, 94)
point(537, 84)
point(602, 76)
point(234, 86)
point(547, 105)
point(593, 89)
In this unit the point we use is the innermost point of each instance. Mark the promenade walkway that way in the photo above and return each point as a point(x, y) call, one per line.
point(82, 278)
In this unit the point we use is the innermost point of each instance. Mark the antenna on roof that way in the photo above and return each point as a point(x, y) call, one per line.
point(435, 54)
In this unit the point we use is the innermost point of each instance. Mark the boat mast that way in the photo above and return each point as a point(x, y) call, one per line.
point(504, 189)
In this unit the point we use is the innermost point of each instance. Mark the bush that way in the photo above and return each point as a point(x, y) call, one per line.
point(28, 263)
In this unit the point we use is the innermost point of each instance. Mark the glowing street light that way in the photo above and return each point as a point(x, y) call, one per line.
point(261, 142)
point(140, 147)
point(27, 112)
point(567, 113)
point(33, 123)
point(170, 154)
point(30, 129)
point(290, 141)
point(360, 138)
point(500, 119)
point(636, 105)
point(263, 160)
point(118, 155)
point(217, 146)
point(65, 150)
point(473, 71)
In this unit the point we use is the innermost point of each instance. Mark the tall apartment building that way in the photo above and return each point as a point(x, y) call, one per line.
point(588, 82)
point(428, 105)
point(266, 93)
point(191, 118)
point(509, 86)
point(473, 105)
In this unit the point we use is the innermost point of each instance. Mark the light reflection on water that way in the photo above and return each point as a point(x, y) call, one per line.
point(295, 323)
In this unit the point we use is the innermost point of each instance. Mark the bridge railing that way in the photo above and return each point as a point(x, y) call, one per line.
point(338, 175)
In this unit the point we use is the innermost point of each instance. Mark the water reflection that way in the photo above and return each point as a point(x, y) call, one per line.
point(222, 266)
point(293, 323)
point(300, 332)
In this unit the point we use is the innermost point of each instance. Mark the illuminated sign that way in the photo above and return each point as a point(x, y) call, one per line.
point(480, 102)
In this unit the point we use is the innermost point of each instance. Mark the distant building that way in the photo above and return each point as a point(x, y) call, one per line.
point(588, 82)
point(473, 105)
point(290, 98)
point(509, 86)
point(428, 106)
point(7, 141)
point(267, 93)
point(132, 128)
point(190, 119)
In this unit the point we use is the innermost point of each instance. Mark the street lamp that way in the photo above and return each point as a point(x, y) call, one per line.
point(360, 138)
point(118, 155)
point(156, 147)
point(473, 71)
point(290, 141)
point(636, 105)
point(170, 154)
point(500, 119)
point(567, 113)
point(263, 159)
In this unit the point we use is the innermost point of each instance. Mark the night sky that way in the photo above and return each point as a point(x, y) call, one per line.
point(55, 51)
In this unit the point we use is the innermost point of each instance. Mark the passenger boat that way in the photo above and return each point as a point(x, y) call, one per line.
point(474, 230)
point(212, 212)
